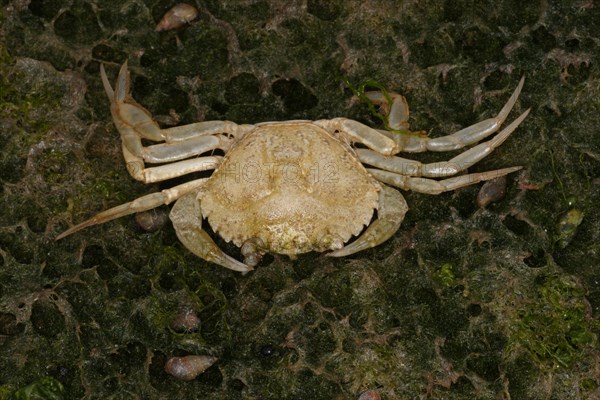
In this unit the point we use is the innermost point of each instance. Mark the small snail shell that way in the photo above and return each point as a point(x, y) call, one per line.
point(151, 220)
point(567, 225)
point(491, 191)
point(186, 321)
point(189, 367)
point(177, 16)
point(370, 395)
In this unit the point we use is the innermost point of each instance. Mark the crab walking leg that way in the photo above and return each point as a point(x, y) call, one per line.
point(397, 113)
point(431, 186)
point(132, 120)
point(168, 171)
point(137, 169)
point(440, 169)
point(164, 153)
point(390, 214)
point(143, 203)
point(464, 137)
point(359, 133)
point(187, 220)
point(169, 152)
point(135, 123)
point(205, 128)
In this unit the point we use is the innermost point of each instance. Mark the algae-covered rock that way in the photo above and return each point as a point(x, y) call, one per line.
point(463, 302)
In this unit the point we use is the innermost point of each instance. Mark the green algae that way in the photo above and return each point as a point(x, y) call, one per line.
point(556, 327)
point(43, 389)
point(445, 275)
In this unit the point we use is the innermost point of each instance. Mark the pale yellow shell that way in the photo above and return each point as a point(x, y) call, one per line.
point(177, 16)
point(293, 186)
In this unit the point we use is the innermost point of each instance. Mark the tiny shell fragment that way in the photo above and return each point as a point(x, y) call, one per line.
point(177, 16)
point(189, 367)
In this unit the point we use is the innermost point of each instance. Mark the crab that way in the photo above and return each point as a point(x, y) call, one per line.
point(291, 187)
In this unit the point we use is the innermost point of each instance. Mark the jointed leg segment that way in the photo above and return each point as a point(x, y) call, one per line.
point(464, 137)
point(440, 169)
point(135, 123)
point(406, 174)
point(143, 203)
point(431, 186)
point(398, 119)
point(397, 112)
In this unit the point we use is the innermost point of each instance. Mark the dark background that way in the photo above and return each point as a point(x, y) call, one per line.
point(461, 303)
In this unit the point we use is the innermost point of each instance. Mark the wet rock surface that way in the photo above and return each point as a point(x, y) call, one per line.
point(462, 302)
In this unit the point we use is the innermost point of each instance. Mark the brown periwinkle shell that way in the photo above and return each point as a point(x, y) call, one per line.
point(189, 367)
